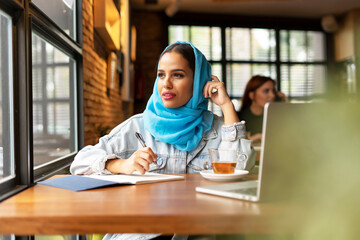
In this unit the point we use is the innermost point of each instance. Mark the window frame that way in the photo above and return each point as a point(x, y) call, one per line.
point(22, 178)
point(43, 26)
point(26, 18)
point(253, 22)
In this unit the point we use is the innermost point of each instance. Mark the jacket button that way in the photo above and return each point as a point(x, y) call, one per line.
point(206, 165)
point(159, 161)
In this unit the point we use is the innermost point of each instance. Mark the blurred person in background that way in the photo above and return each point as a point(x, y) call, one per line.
point(258, 91)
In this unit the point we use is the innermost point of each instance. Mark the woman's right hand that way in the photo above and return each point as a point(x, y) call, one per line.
point(216, 90)
point(139, 161)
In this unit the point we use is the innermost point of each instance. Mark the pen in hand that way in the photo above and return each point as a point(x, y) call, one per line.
point(142, 141)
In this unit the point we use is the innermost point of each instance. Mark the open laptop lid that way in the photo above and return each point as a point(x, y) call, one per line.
point(287, 143)
point(277, 118)
point(298, 141)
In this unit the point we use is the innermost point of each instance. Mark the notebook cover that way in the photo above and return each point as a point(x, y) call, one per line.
point(78, 183)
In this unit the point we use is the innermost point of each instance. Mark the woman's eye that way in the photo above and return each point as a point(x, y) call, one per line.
point(161, 75)
point(266, 91)
point(178, 75)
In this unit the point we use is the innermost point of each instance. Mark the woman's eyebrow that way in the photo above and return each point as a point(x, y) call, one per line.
point(175, 70)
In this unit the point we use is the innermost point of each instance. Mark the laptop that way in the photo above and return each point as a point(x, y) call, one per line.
point(293, 147)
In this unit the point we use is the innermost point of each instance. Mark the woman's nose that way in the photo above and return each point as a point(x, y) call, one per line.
point(167, 82)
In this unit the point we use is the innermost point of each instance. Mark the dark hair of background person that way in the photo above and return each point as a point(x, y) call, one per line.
point(254, 83)
point(185, 50)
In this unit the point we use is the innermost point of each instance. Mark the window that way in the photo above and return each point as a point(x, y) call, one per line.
point(248, 52)
point(53, 77)
point(62, 12)
point(206, 39)
point(298, 62)
point(40, 91)
point(7, 168)
point(303, 70)
point(55, 64)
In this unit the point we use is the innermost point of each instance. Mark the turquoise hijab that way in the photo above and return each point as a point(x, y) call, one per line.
point(184, 126)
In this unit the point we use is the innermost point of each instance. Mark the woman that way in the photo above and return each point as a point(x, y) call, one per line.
point(258, 91)
point(176, 125)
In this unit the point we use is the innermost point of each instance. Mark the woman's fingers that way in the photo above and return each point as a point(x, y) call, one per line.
point(139, 164)
point(215, 78)
point(282, 96)
point(142, 159)
point(148, 155)
point(216, 90)
point(152, 155)
point(142, 163)
point(138, 167)
point(139, 161)
point(211, 88)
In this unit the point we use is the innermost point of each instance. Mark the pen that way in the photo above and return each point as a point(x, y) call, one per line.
point(142, 141)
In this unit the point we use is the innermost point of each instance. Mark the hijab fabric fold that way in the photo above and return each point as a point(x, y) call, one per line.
point(184, 126)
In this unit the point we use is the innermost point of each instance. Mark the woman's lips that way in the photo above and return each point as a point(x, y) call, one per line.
point(168, 95)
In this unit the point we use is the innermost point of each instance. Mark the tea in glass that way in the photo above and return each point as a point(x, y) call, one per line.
point(223, 167)
point(223, 161)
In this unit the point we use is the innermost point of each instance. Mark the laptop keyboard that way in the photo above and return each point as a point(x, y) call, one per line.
point(247, 191)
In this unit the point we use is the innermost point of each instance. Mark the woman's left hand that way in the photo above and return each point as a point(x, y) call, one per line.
point(282, 96)
point(216, 91)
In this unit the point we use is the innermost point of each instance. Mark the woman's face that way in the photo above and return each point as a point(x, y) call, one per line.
point(265, 93)
point(175, 80)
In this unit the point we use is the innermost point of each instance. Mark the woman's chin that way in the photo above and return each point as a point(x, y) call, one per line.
point(171, 106)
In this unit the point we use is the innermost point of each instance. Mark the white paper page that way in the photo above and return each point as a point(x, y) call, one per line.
point(137, 178)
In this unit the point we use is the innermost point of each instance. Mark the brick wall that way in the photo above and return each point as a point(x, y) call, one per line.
point(100, 107)
point(151, 39)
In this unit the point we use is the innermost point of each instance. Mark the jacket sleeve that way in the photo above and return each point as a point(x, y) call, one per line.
point(117, 144)
point(234, 137)
point(92, 159)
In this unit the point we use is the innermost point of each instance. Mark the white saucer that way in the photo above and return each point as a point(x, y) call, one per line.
point(210, 175)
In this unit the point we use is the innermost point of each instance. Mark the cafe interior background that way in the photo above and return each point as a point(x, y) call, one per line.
point(72, 70)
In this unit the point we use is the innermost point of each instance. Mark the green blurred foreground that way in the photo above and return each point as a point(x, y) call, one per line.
point(321, 175)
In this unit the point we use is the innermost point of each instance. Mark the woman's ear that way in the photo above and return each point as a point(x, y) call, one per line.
point(251, 95)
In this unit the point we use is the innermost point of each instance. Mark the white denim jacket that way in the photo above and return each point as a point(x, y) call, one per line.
point(122, 143)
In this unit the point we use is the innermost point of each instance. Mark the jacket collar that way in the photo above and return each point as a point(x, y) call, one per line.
point(211, 134)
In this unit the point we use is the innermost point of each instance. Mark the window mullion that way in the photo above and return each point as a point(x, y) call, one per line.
point(251, 53)
point(278, 56)
point(223, 54)
point(210, 36)
point(306, 65)
point(43, 84)
point(190, 33)
point(289, 59)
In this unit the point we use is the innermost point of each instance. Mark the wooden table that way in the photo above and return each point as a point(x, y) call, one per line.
point(166, 207)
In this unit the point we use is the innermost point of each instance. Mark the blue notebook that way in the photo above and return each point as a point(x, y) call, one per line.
point(77, 183)
point(87, 182)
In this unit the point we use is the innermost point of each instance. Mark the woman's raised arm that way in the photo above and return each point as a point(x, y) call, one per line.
point(217, 92)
